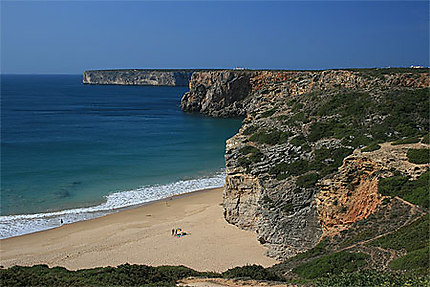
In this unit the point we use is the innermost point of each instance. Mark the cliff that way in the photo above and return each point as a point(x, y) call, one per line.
point(138, 77)
point(296, 174)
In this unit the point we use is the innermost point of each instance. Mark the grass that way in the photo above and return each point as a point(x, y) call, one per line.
point(334, 263)
point(419, 156)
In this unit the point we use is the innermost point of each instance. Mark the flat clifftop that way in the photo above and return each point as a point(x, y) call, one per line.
point(295, 173)
point(138, 77)
point(144, 77)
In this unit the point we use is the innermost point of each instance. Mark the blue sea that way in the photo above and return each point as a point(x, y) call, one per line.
point(74, 152)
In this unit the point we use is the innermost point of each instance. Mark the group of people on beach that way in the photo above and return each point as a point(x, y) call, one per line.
point(178, 232)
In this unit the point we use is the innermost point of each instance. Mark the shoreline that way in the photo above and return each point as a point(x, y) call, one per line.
point(108, 213)
point(142, 235)
point(21, 224)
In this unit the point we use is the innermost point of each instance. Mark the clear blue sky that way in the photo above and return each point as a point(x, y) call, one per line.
point(70, 37)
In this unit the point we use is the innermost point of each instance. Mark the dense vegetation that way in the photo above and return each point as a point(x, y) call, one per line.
point(371, 147)
point(355, 119)
point(419, 156)
point(406, 141)
point(334, 263)
point(255, 272)
point(367, 278)
point(413, 238)
point(271, 137)
point(414, 191)
point(123, 275)
point(400, 113)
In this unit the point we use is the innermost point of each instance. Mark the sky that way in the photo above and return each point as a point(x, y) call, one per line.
point(58, 37)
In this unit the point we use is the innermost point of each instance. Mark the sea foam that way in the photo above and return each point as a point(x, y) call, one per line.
point(14, 225)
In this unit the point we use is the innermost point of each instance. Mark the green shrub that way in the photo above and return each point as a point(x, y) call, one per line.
point(300, 117)
point(426, 139)
point(415, 260)
point(404, 112)
point(244, 162)
point(319, 130)
point(307, 180)
point(288, 207)
point(250, 130)
point(372, 278)
point(268, 113)
point(298, 140)
point(255, 272)
point(406, 141)
point(419, 156)
point(371, 147)
point(251, 155)
point(415, 191)
point(283, 170)
point(334, 263)
point(318, 250)
point(411, 237)
point(266, 199)
point(123, 275)
point(256, 157)
point(270, 137)
point(327, 160)
point(248, 149)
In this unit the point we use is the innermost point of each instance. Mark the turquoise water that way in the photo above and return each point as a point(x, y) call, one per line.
point(78, 151)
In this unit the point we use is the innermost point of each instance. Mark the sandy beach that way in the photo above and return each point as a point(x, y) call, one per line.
point(143, 236)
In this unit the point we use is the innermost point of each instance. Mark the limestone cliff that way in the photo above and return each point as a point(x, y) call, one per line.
point(218, 93)
point(287, 179)
point(138, 77)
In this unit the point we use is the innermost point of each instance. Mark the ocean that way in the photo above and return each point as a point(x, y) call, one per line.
point(73, 152)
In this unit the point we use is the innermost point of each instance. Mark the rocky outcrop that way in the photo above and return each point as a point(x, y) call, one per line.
point(282, 177)
point(232, 93)
point(138, 77)
point(218, 93)
point(352, 194)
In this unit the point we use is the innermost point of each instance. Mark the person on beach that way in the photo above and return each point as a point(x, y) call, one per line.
point(61, 221)
point(173, 231)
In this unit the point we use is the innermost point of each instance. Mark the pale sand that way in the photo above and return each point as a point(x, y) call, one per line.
point(143, 236)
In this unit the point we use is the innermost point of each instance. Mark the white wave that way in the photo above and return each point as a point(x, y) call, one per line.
point(14, 225)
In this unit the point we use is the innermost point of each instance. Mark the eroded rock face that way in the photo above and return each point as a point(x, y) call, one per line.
point(218, 93)
point(352, 193)
point(289, 217)
point(138, 77)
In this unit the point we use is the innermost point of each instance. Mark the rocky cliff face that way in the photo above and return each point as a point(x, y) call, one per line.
point(218, 93)
point(287, 179)
point(138, 77)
